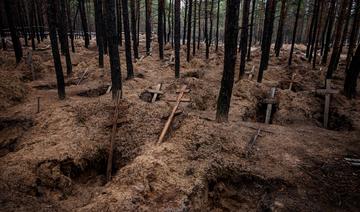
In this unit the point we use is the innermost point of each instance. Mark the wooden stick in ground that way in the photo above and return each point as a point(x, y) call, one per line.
point(252, 143)
point(82, 76)
point(168, 122)
point(158, 88)
point(292, 81)
point(112, 138)
point(269, 106)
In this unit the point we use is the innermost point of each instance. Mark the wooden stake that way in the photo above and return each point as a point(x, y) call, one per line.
point(86, 70)
point(269, 106)
point(158, 87)
point(252, 143)
point(327, 92)
point(112, 138)
point(168, 122)
point(292, 81)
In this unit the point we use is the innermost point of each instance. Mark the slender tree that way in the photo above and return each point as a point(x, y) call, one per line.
point(206, 30)
point(148, 26)
point(177, 38)
point(251, 29)
point(133, 29)
point(314, 30)
point(52, 6)
point(280, 32)
point(244, 37)
point(68, 14)
point(84, 22)
point(185, 20)
point(188, 40)
point(9, 8)
point(112, 38)
point(217, 25)
point(329, 32)
point(194, 29)
point(230, 41)
point(352, 75)
point(99, 28)
point(354, 33)
point(119, 21)
point(294, 31)
point(62, 31)
point(161, 11)
point(199, 29)
point(211, 22)
point(129, 65)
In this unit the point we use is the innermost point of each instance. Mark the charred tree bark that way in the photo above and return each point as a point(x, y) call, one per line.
point(68, 11)
point(318, 33)
point(217, 26)
point(194, 29)
point(119, 21)
point(129, 65)
point(294, 32)
point(199, 29)
point(251, 29)
point(9, 8)
point(170, 21)
point(352, 75)
point(148, 26)
point(177, 38)
point(230, 42)
point(188, 40)
point(133, 29)
point(329, 32)
point(244, 37)
point(267, 34)
point(112, 38)
point(313, 35)
point(185, 21)
point(138, 23)
point(335, 56)
point(161, 11)
point(52, 13)
point(312, 26)
point(32, 24)
point(84, 22)
point(280, 32)
point(99, 30)
point(62, 31)
point(206, 30)
point(211, 22)
point(354, 33)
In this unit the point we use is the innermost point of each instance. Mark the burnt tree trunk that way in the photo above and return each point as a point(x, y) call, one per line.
point(119, 21)
point(251, 29)
point(352, 75)
point(177, 38)
point(354, 33)
point(199, 28)
point(68, 11)
point(206, 30)
point(188, 40)
point(9, 8)
point(244, 37)
point(148, 26)
point(294, 32)
point(230, 42)
point(62, 31)
point(217, 26)
point(266, 39)
point(313, 35)
point(280, 32)
point(185, 21)
point(161, 11)
point(194, 29)
point(133, 29)
point(99, 30)
point(170, 21)
point(329, 32)
point(129, 65)
point(84, 22)
point(312, 26)
point(52, 6)
point(211, 22)
point(112, 39)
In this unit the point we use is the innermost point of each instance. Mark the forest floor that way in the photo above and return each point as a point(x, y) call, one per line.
point(55, 160)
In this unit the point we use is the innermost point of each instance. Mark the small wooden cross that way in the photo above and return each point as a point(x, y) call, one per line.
point(251, 73)
point(269, 101)
point(292, 81)
point(157, 88)
point(327, 92)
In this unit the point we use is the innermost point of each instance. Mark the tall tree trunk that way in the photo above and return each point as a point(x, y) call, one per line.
point(313, 35)
point(161, 11)
point(185, 20)
point(206, 30)
point(112, 38)
point(230, 42)
point(129, 65)
point(329, 32)
point(52, 13)
point(9, 8)
point(32, 24)
point(190, 2)
point(148, 26)
point(84, 22)
point(62, 31)
point(133, 29)
point(217, 26)
point(251, 29)
point(244, 37)
point(138, 23)
point(194, 29)
point(119, 21)
point(311, 29)
point(99, 30)
point(211, 22)
point(68, 11)
point(335, 56)
point(352, 75)
point(318, 33)
point(294, 32)
point(169, 21)
point(36, 19)
point(354, 33)
point(267, 34)
point(199, 29)
point(22, 21)
point(280, 32)
point(177, 38)
point(164, 24)
point(2, 33)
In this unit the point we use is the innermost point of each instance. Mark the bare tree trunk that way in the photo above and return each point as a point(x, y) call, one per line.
point(190, 2)
point(84, 22)
point(329, 32)
point(230, 41)
point(177, 38)
point(68, 11)
point(129, 65)
point(251, 29)
point(280, 32)
point(99, 30)
point(244, 37)
point(194, 29)
point(294, 31)
point(62, 31)
point(354, 33)
point(217, 26)
point(133, 29)
point(199, 29)
point(148, 26)
point(352, 75)
point(119, 21)
point(185, 21)
point(206, 30)
point(161, 12)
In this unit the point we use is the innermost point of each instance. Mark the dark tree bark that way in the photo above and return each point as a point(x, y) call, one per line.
point(217, 26)
point(104, 27)
point(133, 29)
point(244, 37)
point(185, 20)
point(161, 11)
point(22, 21)
point(312, 26)
point(62, 31)
point(52, 13)
point(194, 29)
point(41, 21)
point(318, 33)
point(84, 22)
point(251, 29)
point(211, 22)
point(294, 31)
point(335, 56)
point(354, 33)
point(148, 26)
point(188, 40)
point(313, 35)
point(177, 38)
point(199, 29)
point(170, 21)
point(138, 23)
point(206, 30)
point(2, 31)
point(267, 34)
point(119, 21)
point(112, 38)
point(164, 24)
point(32, 24)
point(352, 75)
point(68, 11)
point(36, 20)
point(129, 65)
point(280, 32)
point(99, 30)
point(9, 8)
point(329, 32)
point(230, 41)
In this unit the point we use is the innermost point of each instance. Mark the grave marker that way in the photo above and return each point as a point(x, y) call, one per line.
point(327, 92)
point(269, 101)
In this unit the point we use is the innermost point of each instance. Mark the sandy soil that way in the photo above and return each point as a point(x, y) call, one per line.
point(55, 160)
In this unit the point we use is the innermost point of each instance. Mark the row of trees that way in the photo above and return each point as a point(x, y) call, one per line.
point(325, 26)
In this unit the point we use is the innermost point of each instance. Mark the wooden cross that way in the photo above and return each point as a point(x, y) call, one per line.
point(251, 73)
point(155, 92)
point(292, 81)
point(327, 92)
point(168, 122)
point(269, 101)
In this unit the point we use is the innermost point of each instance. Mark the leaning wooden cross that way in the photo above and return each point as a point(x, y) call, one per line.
point(327, 92)
point(155, 92)
point(269, 101)
point(171, 117)
point(292, 81)
point(251, 73)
